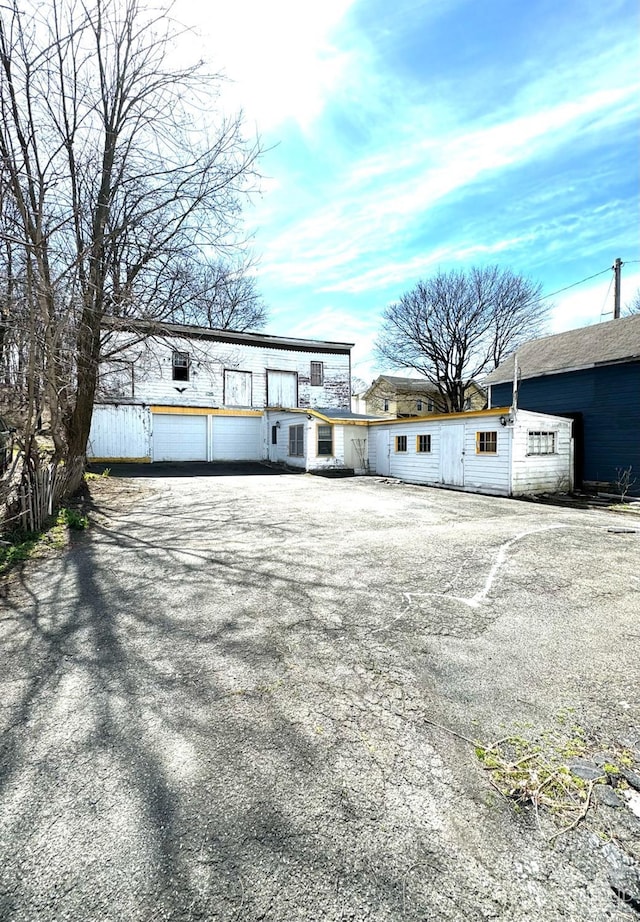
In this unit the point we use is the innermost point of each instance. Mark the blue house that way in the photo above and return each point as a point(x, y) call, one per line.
point(591, 375)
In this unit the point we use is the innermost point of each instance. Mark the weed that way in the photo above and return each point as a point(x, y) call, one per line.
point(72, 519)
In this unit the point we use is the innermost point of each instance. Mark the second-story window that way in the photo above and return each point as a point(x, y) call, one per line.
point(419, 406)
point(180, 366)
point(317, 374)
point(386, 405)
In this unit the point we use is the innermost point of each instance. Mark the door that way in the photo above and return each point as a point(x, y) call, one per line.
point(282, 389)
point(452, 455)
point(178, 437)
point(237, 388)
point(237, 438)
point(383, 452)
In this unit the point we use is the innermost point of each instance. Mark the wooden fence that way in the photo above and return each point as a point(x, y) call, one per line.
point(31, 496)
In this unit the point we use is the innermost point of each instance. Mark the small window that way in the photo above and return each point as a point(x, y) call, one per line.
point(180, 366)
point(385, 405)
point(401, 443)
point(542, 443)
point(274, 435)
point(419, 406)
point(325, 440)
point(296, 441)
point(467, 403)
point(430, 406)
point(486, 443)
point(317, 374)
point(423, 443)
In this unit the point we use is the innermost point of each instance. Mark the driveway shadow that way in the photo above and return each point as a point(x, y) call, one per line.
point(190, 469)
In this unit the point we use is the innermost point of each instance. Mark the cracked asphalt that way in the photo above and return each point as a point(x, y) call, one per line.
point(244, 697)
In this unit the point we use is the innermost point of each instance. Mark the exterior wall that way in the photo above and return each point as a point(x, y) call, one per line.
point(343, 437)
point(279, 453)
point(120, 432)
point(531, 473)
point(403, 403)
point(144, 373)
point(608, 399)
point(508, 472)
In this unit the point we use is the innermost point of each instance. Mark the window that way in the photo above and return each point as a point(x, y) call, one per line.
point(486, 443)
point(423, 443)
point(296, 441)
point(274, 435)
point(317, 374)
point(430, 406)
point(542, 443)
point(385, 405)
point(180, 364)
point(325, 440)
point(401, 443)
point(467, 403)
point(237, 388)
point(419, 406)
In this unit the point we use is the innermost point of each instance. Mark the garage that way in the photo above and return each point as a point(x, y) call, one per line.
point(237, 438)
point(179, 437)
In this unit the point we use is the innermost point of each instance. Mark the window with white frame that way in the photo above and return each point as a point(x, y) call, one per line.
point(419, 406)
point(541, 443)
point(296, 441)
point(180, 366)
point(325, 440)
point(385, 405)
point(317, 374)
point(430, 406)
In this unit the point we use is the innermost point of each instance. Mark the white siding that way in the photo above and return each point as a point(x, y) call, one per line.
point(487, 472)
point(152, 381)
point(120, 432)
point(541, 473)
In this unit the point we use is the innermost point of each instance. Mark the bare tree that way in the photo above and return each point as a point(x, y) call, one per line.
point(221, 295)
point(457, 325)
point(116, 173)
point(633, 306)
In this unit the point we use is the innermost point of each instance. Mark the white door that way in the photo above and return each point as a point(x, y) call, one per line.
point(237, 388)
point(179, 437)
point(237, 438)
point(452, 455)
point(282, 389)
point(383, 452)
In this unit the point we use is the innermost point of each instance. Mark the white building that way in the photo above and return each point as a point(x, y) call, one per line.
point(170, 392)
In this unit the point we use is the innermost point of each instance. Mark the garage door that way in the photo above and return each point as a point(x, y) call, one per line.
point(179, 438)
point(237, 438)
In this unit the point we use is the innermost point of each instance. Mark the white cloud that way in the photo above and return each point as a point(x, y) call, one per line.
point(278, 53)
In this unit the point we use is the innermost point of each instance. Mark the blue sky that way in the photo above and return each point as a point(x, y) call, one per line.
point(409, 137)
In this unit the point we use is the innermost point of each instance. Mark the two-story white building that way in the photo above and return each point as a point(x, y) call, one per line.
point(171, 392)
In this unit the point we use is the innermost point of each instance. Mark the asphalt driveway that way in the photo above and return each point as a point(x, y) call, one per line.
point(237, 698)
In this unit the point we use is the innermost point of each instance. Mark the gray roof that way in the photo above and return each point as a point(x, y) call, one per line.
point(406, 385)
point(163, 328)
point(341, 413)
point(606, 343)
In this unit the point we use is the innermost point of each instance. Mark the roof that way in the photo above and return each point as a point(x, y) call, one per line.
point(290, 343)
point(611, 342)
point(340, 413)
point(442, 417)
point(406, 385)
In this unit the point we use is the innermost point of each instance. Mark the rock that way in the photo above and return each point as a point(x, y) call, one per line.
point(632, 778)
point(604, 758)
point(585, 769)
point(604, 794)
point(625, 883)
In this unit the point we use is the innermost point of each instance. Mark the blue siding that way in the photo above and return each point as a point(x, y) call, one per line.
point(608, 399)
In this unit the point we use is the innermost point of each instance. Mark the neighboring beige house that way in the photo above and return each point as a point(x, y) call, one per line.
point(392, 396)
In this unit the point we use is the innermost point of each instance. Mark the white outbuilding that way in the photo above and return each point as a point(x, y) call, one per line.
point(499, 451)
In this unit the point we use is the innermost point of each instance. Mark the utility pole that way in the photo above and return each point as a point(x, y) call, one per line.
point(617, 267)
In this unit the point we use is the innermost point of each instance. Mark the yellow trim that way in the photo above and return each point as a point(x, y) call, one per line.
point(339, 421)
point(486, 432)
point(145, 460)
point(401, 450)
point(203, 411)
point(436, 417)
point(420, 436)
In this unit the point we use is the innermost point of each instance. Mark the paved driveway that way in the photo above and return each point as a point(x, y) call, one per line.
point(219, 703)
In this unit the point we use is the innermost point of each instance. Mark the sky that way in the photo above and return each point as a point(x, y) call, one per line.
point(410, 137)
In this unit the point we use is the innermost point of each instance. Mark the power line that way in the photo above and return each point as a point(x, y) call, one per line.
point(581, 282)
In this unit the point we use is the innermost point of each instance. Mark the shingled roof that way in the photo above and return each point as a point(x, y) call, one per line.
point(606, 343)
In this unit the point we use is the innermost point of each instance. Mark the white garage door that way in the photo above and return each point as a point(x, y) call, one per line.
point(237, 438)
point(179, 438)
